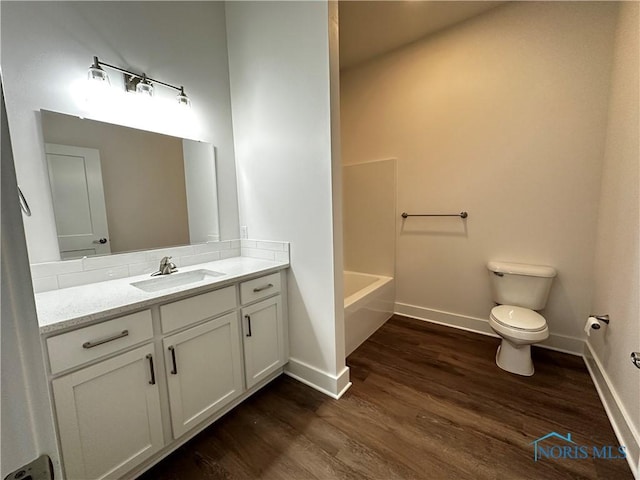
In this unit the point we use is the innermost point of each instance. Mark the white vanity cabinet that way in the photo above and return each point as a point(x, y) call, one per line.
point(204, 371)
point(109, 417)
point(265, 349)
point(129, 390)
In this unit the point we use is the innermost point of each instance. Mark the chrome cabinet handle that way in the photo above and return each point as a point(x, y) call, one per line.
point(635, 358)
point(24, 205)
point(101, 241)
point(95, 343)
point(174, 370)
point(259, 289)
point(248, 317)
point(153, 373)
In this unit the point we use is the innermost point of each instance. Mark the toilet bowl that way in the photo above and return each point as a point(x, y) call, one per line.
point(519, 328)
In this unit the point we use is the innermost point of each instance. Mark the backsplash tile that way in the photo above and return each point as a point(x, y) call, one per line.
point(275, 246)
point(49, 269)
point(256, 253)
point(92, 276)
point(200, 258)
point(44, 284)
point(69, 273)
point(282, 256)
point(142, 268)
point(233, 252)
point(174, 252)
point(211, 247)
point(246, 243)
point(106, 261)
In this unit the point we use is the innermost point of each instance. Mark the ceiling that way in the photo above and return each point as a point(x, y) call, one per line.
point(371, 28)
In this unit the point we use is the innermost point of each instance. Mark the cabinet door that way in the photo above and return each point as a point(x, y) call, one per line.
point(204, 371)
point(109, 416)
point(263, 331)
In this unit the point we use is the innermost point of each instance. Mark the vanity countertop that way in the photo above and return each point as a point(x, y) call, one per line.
point(74, 306)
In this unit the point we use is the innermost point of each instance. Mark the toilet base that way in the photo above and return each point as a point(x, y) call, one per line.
point(515, 358)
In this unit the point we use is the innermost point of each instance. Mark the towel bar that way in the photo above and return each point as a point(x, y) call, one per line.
point(461, 214)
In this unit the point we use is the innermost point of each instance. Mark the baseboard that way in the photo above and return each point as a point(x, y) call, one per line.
point(618, 416)
point(332, 385)
point(560, 343)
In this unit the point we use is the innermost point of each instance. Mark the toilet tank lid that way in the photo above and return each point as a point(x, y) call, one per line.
point(522, 269)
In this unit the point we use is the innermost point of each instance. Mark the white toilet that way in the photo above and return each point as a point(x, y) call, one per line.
point(518, 290)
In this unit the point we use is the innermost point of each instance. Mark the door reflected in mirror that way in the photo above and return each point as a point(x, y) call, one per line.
point(117, 189)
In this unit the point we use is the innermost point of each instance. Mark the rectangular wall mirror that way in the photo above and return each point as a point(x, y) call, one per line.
point(117, 189)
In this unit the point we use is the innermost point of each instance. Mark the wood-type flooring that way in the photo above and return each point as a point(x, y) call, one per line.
point(427, 402)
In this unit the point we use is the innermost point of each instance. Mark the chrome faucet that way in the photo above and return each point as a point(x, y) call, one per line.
point(166, 267)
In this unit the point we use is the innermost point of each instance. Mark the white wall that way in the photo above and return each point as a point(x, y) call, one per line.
point(616, 274)
point(503, 115)
point(369, 206)
point(279, 71)
point(47, 48)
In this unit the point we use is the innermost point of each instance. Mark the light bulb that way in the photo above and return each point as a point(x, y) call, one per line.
point(144, 87)
point(96, 73)
point(183, 99)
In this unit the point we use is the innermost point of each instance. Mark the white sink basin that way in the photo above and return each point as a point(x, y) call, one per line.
point(163, 282)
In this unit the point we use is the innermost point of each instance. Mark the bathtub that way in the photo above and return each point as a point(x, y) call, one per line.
point(368, 303)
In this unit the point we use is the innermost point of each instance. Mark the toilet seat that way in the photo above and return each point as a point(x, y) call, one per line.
point(518, 318)
point(519, 328)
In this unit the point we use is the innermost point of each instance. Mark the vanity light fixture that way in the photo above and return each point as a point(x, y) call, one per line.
point(137, 82)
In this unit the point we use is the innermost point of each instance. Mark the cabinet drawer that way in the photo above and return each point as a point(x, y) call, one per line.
point(259, 288)
point(191, 310)
point(85, 344)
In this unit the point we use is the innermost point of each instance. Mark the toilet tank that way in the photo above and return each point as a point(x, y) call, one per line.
point(520, 285)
